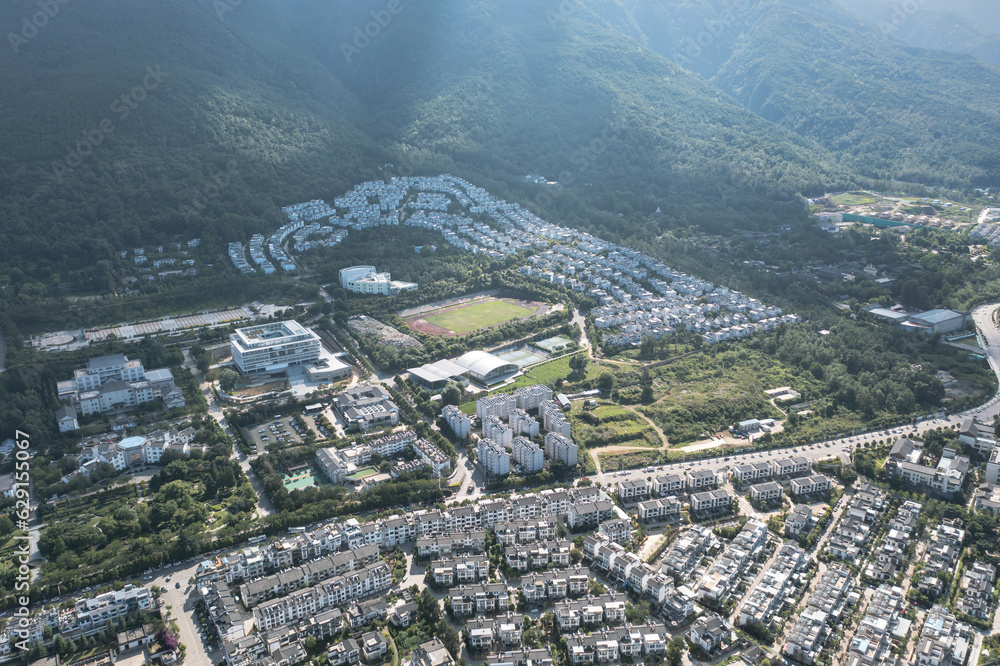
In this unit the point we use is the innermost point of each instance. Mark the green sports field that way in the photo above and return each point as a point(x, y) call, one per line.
point(479, 315)
point(363, 473)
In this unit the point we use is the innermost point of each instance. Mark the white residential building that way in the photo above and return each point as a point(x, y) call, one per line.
point(558, 447)
point(493, 457)
point(459, 423)
point(499, 405)
point(528, 455)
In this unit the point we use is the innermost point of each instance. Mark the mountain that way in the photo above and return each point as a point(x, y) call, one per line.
point(124, 125)
point(888, 110)
point(947, 28)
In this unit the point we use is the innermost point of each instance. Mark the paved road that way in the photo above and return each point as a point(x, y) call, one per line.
point(181, 602)
point(264, 506)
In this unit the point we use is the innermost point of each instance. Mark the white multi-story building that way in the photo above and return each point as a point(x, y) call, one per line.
point(553, 418)
point(459, 423)
point(335, 592)
point(522, 424)
point(498, 431)
point(273, 347)
point(531, 397)
point(367, 280)
point(432, 456)
point(493, 457)
point(499, 405)
point(352, 273)
point(558, 447)
point(115, 382)
point(528, 455)
point(104, 369)
point(94, 613)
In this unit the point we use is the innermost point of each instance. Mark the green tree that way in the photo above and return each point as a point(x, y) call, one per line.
point(675, 651)
point(6, 525)
point(227, 379)
point(452, 393)
point(605, 382)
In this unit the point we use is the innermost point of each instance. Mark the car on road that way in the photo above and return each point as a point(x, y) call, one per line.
point(177, 585)
point(167, 579)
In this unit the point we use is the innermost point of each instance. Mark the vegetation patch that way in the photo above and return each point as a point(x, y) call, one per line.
point(852, 199)
point(611, 424)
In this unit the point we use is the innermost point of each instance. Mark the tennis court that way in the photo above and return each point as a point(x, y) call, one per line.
point(555, 344)
point(522, 357)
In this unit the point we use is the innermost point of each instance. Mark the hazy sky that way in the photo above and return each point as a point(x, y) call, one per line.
point(984, 12)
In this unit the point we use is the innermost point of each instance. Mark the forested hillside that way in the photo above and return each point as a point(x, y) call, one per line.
point(887, 110)
point(274, 103)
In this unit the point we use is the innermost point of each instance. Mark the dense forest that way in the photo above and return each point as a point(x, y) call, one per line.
point(887, 110)
point(260, 110)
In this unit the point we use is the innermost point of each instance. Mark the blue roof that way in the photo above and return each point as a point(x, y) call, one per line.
point(132, 442)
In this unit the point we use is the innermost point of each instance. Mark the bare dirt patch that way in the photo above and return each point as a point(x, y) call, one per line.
point(386, 335)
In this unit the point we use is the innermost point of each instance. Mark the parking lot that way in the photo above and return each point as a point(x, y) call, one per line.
point(274, 434)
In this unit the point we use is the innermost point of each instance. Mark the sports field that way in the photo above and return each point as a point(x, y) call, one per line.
point(479, 315)
point(465, 317)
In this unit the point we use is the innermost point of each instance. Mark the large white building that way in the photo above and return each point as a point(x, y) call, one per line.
point(528, 455)
point(486, 368)
point(352, 273)
point(138, 450)
point(499, 405)
point(531, 397)
point(367, 280)
point(459, 423)
point(561, 448)
point(273, 347)
point(115, 382)
point(365, 407)
point(493, 457)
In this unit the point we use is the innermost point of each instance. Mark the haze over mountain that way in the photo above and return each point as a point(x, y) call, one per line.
point(957, 27)
point(888, 110)
point(240, 107)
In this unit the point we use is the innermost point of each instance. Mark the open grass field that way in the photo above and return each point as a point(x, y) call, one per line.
point(480, 315)
point(467, 317)
point(852, 198)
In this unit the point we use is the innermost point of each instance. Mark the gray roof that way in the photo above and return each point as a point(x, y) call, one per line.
point(100, 362)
